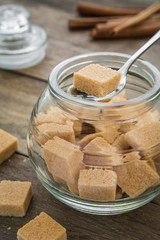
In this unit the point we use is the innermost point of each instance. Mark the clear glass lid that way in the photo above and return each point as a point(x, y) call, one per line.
point(19, 39)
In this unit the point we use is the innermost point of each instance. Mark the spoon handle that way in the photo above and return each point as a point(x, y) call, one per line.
point(137, 54)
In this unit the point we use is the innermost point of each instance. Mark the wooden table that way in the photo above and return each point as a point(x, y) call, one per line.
point(19, 91)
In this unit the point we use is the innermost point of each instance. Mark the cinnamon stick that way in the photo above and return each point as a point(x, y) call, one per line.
point(84, 23)
point(113, 23)
point(144, 29)
point(91, 9)
point(145, 14)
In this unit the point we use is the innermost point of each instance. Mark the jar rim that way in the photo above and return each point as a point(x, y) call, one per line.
point(62, 95)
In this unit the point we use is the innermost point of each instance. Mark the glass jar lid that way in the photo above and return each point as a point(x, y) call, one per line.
point(14, 20)
point(21, 44)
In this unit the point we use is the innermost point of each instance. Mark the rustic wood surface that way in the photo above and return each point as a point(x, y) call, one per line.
point(19, 91)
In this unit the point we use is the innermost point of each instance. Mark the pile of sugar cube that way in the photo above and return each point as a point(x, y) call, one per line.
point(100, 163)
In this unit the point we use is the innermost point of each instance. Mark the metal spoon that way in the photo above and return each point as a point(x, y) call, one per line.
point(123, 70)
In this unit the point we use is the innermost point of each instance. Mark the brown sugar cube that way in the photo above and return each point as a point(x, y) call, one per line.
point(77, 125)
point(131, 156)
point(15, 197)
point(100, 153)
point(120, 143)
point(8, 145)
point(109, 132)
point(53, 115)
point(53, 129)
point(42, 227)
point(148, 117)
point(86, 139)
point(126, 127)
point(96, 80)
point(56, 115)
point(151, 163)
point(104, 127)
point(64, 161)
point(120, 97)
point(98, 145)
point(97, 184)
point(135, 177)
point(144, 137)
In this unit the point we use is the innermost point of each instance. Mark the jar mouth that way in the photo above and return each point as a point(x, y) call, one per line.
point(142, 75)
point(59, 93)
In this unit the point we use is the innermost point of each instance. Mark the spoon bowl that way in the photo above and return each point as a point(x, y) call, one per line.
point(123, 70)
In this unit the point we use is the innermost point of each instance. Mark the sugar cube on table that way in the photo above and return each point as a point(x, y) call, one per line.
point(42, 227)
point(64, 161)
point(8, 145)
point(97, 184)
point(15, 197)
point(96, 80)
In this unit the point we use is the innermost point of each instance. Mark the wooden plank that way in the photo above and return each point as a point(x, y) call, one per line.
point(18, 94)
point(64, 43)
point(142, 223)
point(70, 5)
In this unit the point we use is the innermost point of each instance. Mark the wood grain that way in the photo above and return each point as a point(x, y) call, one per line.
point(142, 223)
point(18, 94)
point(70, 5)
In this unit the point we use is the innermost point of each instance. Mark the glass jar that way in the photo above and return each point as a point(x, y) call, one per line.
point(89, 139)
